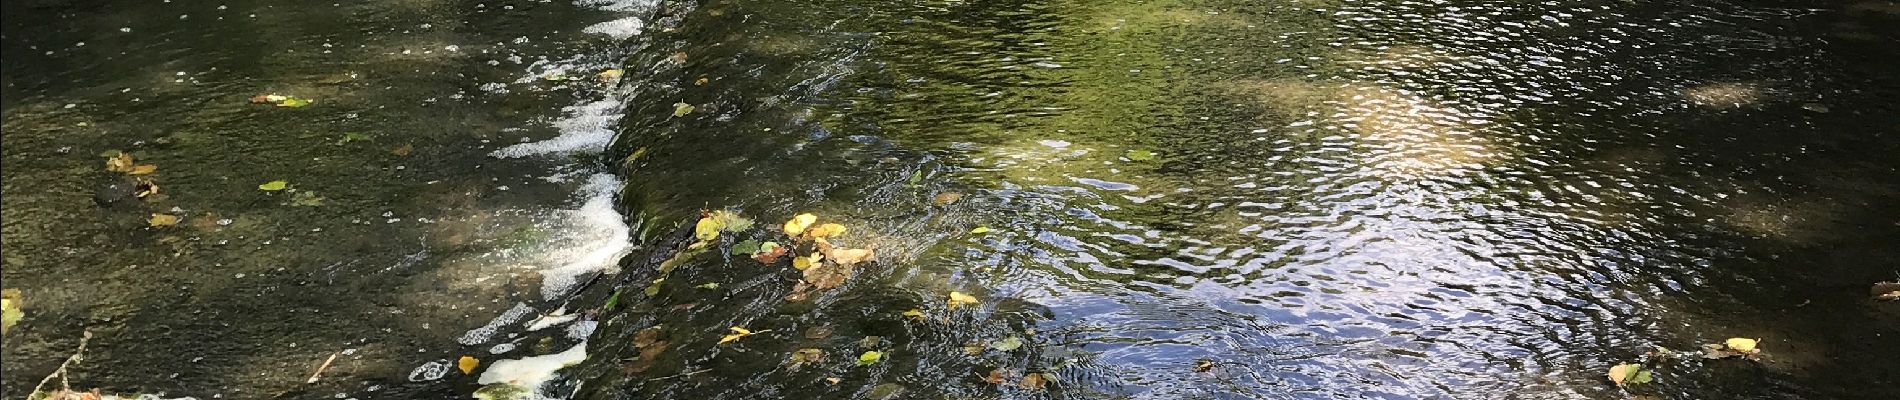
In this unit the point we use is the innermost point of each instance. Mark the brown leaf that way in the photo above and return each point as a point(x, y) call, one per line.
point(145, 188)
point(997, 376)
point(849, 257)
point(678, 57)
point(1033, 381)
point(946, 198)
point(403, 150)
point(646, 337)
point(826, 276)
point(770, 257)
point(1203, 365)
point(818, 332)
point(700, 82)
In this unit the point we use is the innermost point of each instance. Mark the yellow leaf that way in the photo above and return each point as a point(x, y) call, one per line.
point(467, 364)
point(959, 299)
point(273, 186)
point(120, 162)
point(143, 169)
point(609, 75)
point(798, 224)
point(737, 333)
point(980, 230)
point(1620, 373)
point(700, 82)
point(803, 263)
point(707, 229)
point(1741, 345)
point(914, 314)
point(827, 230)
point(163, 220)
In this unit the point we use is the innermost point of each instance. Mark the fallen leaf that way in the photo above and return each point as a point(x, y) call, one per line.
point(647, 337)
point(119, 162)
point(769, 252)
point(403, 150)
point(467, 364)
point(707, 229)
point(1885, 291)
point(958, 299)
point(353, 137)
point(826, 230)
point(807, 356)
point(680, 109)
point(273, 186)
point(805, 263)
point(827, 276)
point(1742, 345)
point(799, 223)
point(818, 332)
point(870, 342)
point(162, 220)
point(915, 314)
point(145, 188)
point(1140, 155)
point(746, 247)
point(678, 57)
point(833, 380)
point(1033, 381)
point(870, 357)
point(143, 169)
point(10, 313)
point(1204, 365)
point(609, 75)
point(306, 198)
point(293, 102)
point(974, 348)
point(737, 333)
point(1628, 374)
point(267, 98)
point(1007, 344)
point(997, 376)
point(946, 198)
point(980, 230)
point(915, 178)
point(700, 82)
point(848, 257)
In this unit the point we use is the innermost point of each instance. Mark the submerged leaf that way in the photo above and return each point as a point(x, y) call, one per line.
point(827, 230)
point(980, 230)
point(804, 263)
point(162, 220)
point(609, 75)
point(807, 356)
point(708, 285)
point(1140, 155)
point(958, 299)
point(681, 109)
point(848, 257)
point(10, 309)
point(1007, 344)
point(467, 364)
point(273, 186)
point(1033, 381)
point(946, 198)
point(915, 314)
point(119, 162)
point(143, 169)
point(870, 357)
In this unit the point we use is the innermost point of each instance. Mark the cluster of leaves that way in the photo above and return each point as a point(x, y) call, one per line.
point(1636, 373)
point(1029, 381)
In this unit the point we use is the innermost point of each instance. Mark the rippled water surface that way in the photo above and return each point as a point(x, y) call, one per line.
point(1177, 199)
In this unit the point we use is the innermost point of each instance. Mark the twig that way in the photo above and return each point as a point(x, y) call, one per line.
point(85, 336)
point(687, 373)
point(326, 365)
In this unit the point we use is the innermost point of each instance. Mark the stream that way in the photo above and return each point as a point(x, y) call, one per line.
point(1065, 199)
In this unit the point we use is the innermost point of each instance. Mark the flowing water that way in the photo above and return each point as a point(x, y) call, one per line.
point(1177, 199)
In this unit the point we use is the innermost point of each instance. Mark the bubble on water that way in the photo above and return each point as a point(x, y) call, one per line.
point(486, 332)
point(430, 371)
point(587, 128)
point(618, 29)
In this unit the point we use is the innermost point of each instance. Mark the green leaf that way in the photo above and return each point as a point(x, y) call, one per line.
point(353, 137)
point(916, 177)
point(273, 186)
point(870, 357)
point(501, 391)
point(1007, 344)
point(306, 198)
point(1140, 155)
point(612, 301)
point(1642, 377)
point(681, 109)
point(293, 103)
point(746, 248)
point(654, 289)
point(709, 285)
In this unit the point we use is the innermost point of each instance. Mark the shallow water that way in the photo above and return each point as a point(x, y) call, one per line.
point(1345, 199)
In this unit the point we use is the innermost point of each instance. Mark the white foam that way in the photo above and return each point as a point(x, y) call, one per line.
point(618, 5)
point(531, 372)
point(596, 236)
point(481, 335)
point(618, 29)
point(587, 128)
